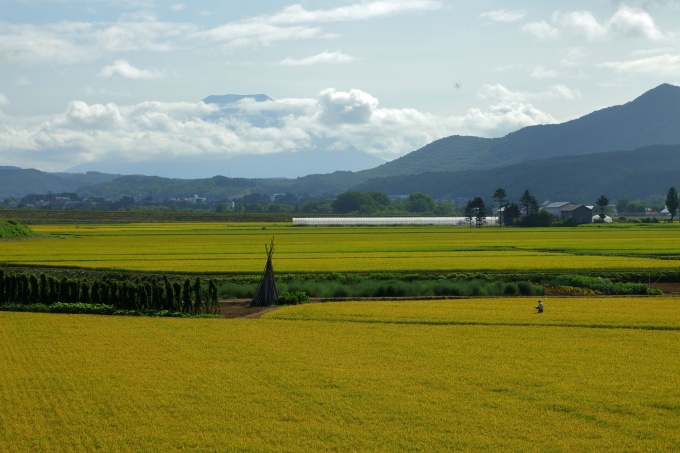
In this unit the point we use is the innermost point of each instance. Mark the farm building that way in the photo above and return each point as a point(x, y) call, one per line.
point(564, 210)
point(299, 221)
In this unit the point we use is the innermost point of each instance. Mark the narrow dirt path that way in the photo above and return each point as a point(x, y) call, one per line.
point(240, 308)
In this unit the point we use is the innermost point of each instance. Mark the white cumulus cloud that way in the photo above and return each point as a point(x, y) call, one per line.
point(336, 57)
point(542, 30)
point(637, 22)
point(124, 70)
point(504, 117)
point(332, 120)
point(662, 65)
point(573, 57)
point(502, 93)
point(503, 15)
point(358, 11)
point(625, 22)
point(539, 72)
point(582, 23)
point(354, 106)
point(297, 22)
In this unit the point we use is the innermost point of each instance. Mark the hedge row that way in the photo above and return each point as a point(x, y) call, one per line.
point(151, 294)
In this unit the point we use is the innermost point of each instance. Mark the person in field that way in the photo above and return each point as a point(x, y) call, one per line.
point(539, 307)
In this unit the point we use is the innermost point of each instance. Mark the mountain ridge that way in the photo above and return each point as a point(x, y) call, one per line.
point(650, 119)
point(634, 174)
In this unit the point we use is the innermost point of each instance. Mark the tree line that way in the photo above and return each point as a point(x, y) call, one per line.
point(525, 211)
point(153, 294)
point(346, 203)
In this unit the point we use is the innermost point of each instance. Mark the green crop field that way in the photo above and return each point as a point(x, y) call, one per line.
point(598, 374)
point(219, 248)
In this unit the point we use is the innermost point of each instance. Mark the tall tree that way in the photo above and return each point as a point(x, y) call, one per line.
point(198, 299)
point(44, 289)
point(186, 297)
point(469, 212)
point(528, 203)
point(479, 209)
point(500, 197)
point(213, 302)
point(84, 296)
point(510, 213)
point(35, 289)
point(602, 202)
point(672, 202)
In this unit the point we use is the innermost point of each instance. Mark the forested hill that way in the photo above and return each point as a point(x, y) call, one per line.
point(651, 119)
point(18, 182)
point(632, 174)
point(219, 187)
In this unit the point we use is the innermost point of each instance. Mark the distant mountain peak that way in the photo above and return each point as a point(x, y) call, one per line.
point(665, 87)
point(660, 92)
point(232, 98)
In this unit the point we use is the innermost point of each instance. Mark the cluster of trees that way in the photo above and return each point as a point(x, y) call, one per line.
point(189, 297)
point(524, 213)
point(656, 203)
point(370, 203)
point(378, 203)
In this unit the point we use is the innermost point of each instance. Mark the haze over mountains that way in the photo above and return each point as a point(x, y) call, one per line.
point(575, 161)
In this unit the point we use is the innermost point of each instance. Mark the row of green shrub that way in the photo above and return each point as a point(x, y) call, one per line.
point(385, 288)
point(27, 288)
point(603, 285)
point(452, 284)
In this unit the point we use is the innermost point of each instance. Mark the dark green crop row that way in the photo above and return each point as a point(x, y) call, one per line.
point(189, 297)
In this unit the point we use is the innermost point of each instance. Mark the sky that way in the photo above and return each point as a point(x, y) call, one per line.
point(123, 80)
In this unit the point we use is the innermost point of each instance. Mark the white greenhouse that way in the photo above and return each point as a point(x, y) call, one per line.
point(303, 221)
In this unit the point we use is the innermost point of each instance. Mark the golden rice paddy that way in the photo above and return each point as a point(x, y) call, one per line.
point(473, 374)
point(483, 374)
point(239, 248)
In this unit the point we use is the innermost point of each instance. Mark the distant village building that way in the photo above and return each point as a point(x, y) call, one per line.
point(564, 210)
point(191, 200)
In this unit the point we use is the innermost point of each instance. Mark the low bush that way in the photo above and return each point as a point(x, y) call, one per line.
point(511, 289)
point(295, 298)
point(10, 228)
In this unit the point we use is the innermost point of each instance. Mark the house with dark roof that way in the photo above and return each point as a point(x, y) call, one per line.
point(564, 210)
